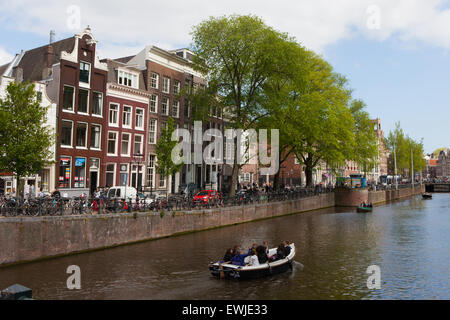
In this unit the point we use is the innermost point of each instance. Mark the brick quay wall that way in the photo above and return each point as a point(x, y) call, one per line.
point(24, 239)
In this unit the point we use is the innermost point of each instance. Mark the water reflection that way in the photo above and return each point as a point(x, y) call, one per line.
point(409, 240)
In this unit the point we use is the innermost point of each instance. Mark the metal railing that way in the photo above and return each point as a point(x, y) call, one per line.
point(35, 207)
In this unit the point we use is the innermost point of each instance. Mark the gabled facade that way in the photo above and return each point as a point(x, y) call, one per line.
point(126, 123)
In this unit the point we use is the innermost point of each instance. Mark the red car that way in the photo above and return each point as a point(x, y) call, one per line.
point(205, 196)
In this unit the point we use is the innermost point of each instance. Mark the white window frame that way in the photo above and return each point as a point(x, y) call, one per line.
point(152, 167)
point(87, 102)
point(115, 146)
point(114, 172)
point(166, 89)
point(157, 80)
point(114, 124)
point(177, 86)
point(85, 84)
point(156, 103)
point(142, 127)
point(131, 116)
point(127, 74)
point(122, 154)
point(73, 99)
point(86, 137)
point(71, 171)
point(142, 143)
point(101, 106)
point(167, 106)
point(100, 139)
point(71, 135)
point(154, 133)
point(177, 102)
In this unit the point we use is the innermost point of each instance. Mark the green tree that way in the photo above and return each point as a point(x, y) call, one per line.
point(238, 54)
point(25, 141)
point(165, 147)
point(323, 124)
point(365, 151)
point(404, 146)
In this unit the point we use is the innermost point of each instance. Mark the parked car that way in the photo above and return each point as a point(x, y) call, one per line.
point(205, 196)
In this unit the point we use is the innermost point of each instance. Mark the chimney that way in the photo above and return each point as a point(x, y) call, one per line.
point(52, 36)
point(49, 61)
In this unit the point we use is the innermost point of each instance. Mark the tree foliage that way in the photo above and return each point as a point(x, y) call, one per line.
point(25, 141)
point(404, 145)
point(164, 147)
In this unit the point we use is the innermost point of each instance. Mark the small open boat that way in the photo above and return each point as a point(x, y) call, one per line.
point(231, 271)
point(427, 195)
point(364, 209)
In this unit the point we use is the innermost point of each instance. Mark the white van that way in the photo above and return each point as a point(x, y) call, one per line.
point(122, 193)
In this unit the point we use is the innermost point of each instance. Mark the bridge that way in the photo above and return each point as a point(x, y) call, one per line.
point(437, 187)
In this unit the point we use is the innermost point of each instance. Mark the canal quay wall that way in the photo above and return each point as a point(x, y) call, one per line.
point(354, 197)
point(24, 239)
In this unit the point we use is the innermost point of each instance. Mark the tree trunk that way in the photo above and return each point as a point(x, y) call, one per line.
point(234, 176)
point(308, 174)
point(19, 188)
point(276, 180)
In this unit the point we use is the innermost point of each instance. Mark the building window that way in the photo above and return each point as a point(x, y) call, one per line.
point(139, 119)
point(83, 98)
point(125, 146)
point(151, 171)
point(154, 78)
point(123, 178)
point(165, 106)
point(97, 105)
point(114, 114)
point(126, 119)
point(175, 109)
point(138, 139)
point(112, 143)
point(68, 97)
point(81, 135)
point(66, 133)
point(110, 171)
point(96, 135)
point(84, 72)
point(154, 103)
point(128, 79)
point(176, 86)
point(152, 131)
point(166, 85)
point(64, 172)
point(162, 181)
point(39, 96)
point(80, 173)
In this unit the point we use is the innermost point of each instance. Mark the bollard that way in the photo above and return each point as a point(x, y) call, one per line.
point(16, 292)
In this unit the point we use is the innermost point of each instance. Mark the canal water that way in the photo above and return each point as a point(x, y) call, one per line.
point(409, 240)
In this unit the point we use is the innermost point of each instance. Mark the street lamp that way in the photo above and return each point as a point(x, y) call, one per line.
point(138, 158)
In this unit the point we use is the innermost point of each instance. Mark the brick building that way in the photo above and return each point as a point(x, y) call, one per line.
point(126, 123)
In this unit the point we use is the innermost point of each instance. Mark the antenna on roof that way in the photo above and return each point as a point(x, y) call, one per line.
point(52, 36)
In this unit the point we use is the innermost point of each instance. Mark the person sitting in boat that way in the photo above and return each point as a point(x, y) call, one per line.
point(253, 261)
point(228, 255)
point(287, 248)
point(239, 258)
point(280, 252)
point(252, 248)
point(266, 247)
point(262, 254)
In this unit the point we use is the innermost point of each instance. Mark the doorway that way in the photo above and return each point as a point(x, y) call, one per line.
point(93, 182)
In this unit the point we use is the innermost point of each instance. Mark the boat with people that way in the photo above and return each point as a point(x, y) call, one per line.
point(274, 265)
point(427, 195)
point(363, 208)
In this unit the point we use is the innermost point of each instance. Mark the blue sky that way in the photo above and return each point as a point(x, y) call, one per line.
point(395, 53)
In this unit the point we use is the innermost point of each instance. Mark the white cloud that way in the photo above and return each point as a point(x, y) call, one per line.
point(124, 26)
point(5, 57)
